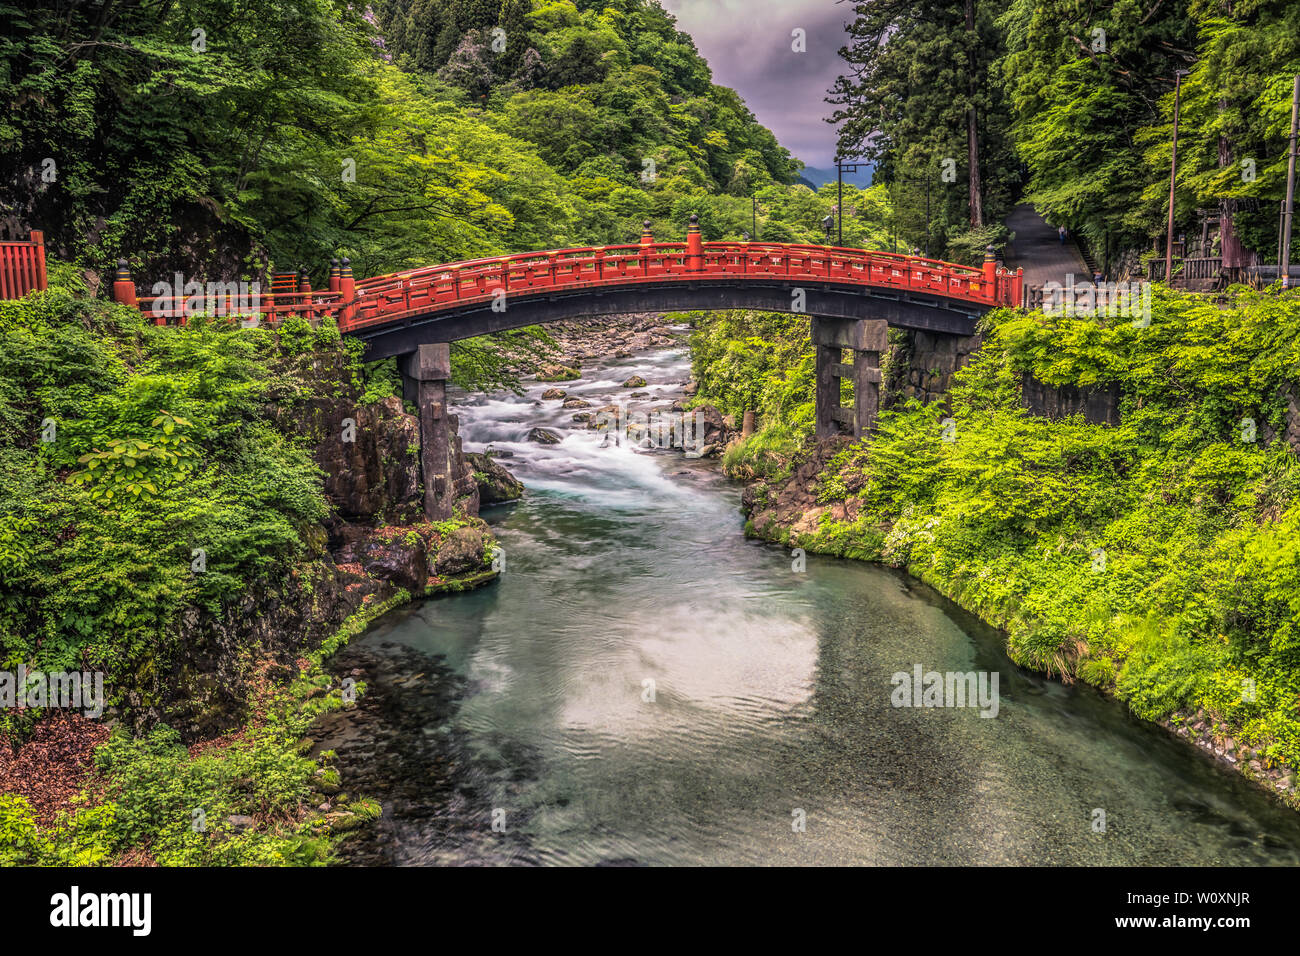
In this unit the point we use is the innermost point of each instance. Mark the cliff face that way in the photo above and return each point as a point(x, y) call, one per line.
point(374, 544)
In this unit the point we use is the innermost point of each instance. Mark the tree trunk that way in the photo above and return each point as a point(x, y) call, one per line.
point(972, 133)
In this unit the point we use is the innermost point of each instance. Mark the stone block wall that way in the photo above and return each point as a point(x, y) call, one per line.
point(921, 365)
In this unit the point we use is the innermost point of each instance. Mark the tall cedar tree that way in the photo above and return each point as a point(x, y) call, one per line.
point(920, 91)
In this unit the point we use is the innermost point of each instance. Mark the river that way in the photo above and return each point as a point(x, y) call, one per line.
point(644, 686)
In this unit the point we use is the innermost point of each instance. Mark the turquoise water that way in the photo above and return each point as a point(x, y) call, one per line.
point(645, 686)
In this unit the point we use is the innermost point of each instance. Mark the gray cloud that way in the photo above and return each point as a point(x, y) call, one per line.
point(748, 46)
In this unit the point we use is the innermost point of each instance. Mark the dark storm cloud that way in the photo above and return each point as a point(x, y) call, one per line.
point(748, 46)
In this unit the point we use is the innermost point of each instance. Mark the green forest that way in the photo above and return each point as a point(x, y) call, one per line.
point(233, 138)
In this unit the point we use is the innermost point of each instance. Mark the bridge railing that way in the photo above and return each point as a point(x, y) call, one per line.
point(420, 291)
point(388, 298)
point(272, 308)
point(22, 266)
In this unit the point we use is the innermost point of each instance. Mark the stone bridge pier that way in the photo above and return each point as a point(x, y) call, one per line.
point(865, 339)
point(446, 477)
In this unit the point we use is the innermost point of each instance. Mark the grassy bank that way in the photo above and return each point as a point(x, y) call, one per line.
point(1156, 560)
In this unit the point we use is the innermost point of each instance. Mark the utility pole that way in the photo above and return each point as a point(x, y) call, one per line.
point(972, 132)
point(1289, 211)
point(927, 217)
point(754, 200)
point(839, 196)
point(1173, 175)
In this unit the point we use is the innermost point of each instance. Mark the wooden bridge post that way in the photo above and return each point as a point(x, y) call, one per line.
point(38, 247)
point(990, 271)
point(694, 245)
point(347, 292)
point(425, 373)
point(124, 285)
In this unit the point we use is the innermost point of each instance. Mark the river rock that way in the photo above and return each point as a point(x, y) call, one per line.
point(715, 428)
point(389, 555)
point(553, 393)
point(460, 551)
point(639, 395)
point(495, 484)
point(636, 381)
point(557, 373)
point(575, 403)
point(544, 436)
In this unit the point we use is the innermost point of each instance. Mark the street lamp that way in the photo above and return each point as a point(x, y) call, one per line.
point(828, 223)
point(839, 195)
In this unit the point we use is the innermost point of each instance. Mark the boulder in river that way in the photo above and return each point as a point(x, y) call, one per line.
point(557, 373)
point(575, 403)
point(544, 436)
point(636, 381)
point(715, 426)
point(461, 550)
point(495, 484)
point(553, 393)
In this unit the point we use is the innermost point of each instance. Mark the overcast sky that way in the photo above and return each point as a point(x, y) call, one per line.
point(748, 46)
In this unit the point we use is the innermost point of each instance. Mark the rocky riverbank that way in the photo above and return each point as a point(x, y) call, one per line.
point(817, 493)
point(583, 341)
point(641, 417)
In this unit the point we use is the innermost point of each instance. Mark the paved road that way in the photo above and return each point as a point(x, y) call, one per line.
point(1038, 251)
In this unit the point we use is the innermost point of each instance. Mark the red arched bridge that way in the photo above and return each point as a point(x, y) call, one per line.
point(851, 295)
point(397, 313)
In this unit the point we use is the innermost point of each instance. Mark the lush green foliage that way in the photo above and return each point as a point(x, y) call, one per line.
point(1158, 558)
point(920, 100)
point(159, 446)
point(1084, 94)
point(246, 800)
point(295, 132)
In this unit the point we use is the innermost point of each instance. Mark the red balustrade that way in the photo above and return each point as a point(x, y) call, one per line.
point(372, 302)
point(22, 267)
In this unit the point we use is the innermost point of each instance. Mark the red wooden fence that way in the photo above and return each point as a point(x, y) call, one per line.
point(22, 266)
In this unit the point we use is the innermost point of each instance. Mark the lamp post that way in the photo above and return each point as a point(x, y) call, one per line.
point(839, 193)
point(1173, 174)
